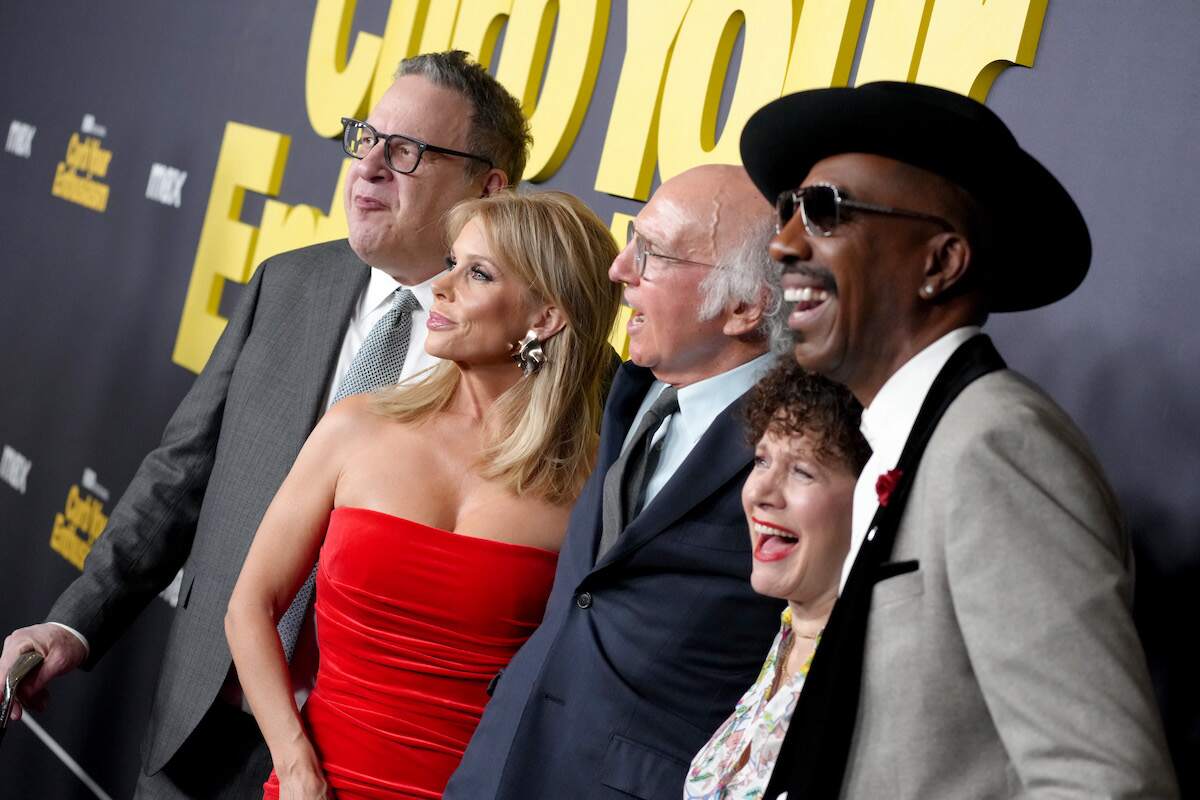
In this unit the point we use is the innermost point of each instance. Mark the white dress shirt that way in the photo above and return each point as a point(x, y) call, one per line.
point(887, 423)
point(372, 304)
point(699, 405)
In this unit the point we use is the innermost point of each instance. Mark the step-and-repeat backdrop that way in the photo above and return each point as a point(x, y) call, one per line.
point(156, 152)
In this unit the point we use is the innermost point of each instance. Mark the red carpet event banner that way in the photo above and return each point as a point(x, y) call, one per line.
point(155, 153)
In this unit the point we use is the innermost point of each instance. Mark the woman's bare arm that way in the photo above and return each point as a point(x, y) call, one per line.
point(280, 559)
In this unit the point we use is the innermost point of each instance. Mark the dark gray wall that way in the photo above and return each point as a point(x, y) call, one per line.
point(90, 303)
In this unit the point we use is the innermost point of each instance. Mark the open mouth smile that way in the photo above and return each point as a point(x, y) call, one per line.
point(808, 292)
point(771, 541)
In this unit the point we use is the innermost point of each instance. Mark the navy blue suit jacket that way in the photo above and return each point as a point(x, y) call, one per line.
point(642, 655)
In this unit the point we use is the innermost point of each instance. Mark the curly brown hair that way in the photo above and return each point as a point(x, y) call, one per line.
point(792, 401)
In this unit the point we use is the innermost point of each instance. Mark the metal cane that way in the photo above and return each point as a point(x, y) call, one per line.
point(25, 665)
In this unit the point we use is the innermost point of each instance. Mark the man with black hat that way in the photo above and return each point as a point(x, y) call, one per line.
point(982, 645)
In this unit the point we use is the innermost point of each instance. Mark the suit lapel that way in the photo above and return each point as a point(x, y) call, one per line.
point(719, 455)
point(812, 760)
point(629, 388)
point(331, 300)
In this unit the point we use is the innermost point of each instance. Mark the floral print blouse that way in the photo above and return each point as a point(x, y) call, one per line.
point(758, 723)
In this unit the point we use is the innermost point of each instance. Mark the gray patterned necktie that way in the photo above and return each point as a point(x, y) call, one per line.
point(377, 363)
point(625, 482)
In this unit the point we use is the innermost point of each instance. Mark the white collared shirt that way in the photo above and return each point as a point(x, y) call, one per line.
point(888, 421)
point(372, 305)
point(699, 405)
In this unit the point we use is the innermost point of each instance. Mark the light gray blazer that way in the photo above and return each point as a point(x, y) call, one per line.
point(1007, 665)
point(197, 499)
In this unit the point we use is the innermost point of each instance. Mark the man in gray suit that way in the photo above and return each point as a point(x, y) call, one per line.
point(982, 644)
point(312, 325)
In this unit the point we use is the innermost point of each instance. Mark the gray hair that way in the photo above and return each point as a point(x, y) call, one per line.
point(745, 273)
point(499, 131)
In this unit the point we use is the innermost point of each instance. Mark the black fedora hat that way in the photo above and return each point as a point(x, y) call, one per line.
point(952, 136)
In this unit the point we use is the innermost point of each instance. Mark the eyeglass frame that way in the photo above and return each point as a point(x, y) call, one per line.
point(386, 138)
point(796, 197)
point(642, 253)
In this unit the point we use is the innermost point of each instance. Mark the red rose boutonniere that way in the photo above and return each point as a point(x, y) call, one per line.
point(886, 484)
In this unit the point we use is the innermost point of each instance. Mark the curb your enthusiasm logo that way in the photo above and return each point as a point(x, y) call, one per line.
point(81, 521)
point(77, 178)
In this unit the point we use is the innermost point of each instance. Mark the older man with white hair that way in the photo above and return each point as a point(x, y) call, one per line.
point(652, 630)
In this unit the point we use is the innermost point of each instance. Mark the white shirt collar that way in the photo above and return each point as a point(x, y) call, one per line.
point(887, 423)
point(382, 286)
point(889, 419)
point(699, 404)
point(702, 401)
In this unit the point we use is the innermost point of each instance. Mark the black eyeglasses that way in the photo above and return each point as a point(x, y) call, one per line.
point(821, 207)
point(642, 253)
point(401, 153)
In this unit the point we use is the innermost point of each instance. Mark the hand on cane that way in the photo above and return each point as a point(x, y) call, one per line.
point(60, 650)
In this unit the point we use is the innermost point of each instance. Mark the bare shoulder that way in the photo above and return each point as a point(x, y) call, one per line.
point(349, 421)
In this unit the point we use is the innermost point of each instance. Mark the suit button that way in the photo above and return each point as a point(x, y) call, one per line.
point(584, 599)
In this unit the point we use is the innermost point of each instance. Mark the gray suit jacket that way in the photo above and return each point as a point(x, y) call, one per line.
point(197, 499)
point(1007, 665)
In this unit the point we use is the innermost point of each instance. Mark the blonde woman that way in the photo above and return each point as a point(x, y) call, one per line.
point(438, 509)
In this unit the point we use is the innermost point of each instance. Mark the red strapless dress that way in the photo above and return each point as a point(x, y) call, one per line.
point(412, 624)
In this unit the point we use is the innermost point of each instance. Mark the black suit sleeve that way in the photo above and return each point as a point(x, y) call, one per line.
point(150, 532)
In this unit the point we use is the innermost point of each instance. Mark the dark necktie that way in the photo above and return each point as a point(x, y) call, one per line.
point(625, 482)
point(377, 363)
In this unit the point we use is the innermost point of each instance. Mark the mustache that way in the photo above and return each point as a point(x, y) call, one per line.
point(817, 273)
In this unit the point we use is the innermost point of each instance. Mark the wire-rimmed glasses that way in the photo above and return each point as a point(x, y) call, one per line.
point(642, 253)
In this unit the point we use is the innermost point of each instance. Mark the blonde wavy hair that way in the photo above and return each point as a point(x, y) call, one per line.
point(542, 432)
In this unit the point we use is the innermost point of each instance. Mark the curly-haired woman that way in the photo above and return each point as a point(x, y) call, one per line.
point(798, 499)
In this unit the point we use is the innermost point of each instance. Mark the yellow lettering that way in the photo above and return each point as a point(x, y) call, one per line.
point(687, 134)
point(401, 39)
point(282, 228)
point(631, 144)
point(76, 508)
point(478, 27)
point(618, 337)
point(824, 44)
point(77, 158)
point(439, 26)
point(285, 227)
point(895, 36)
point(70, 186)
point(250, 158)
point(334, 86)
point(100, 159)
point(970, 42)
point(77, 526)
point(960, 45)
point(555, 117)
point(333, 225)
point(99, 520)
point(65, 542)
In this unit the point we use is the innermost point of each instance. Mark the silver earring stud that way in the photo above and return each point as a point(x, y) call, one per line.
point(529, 356)
point(927, 290)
